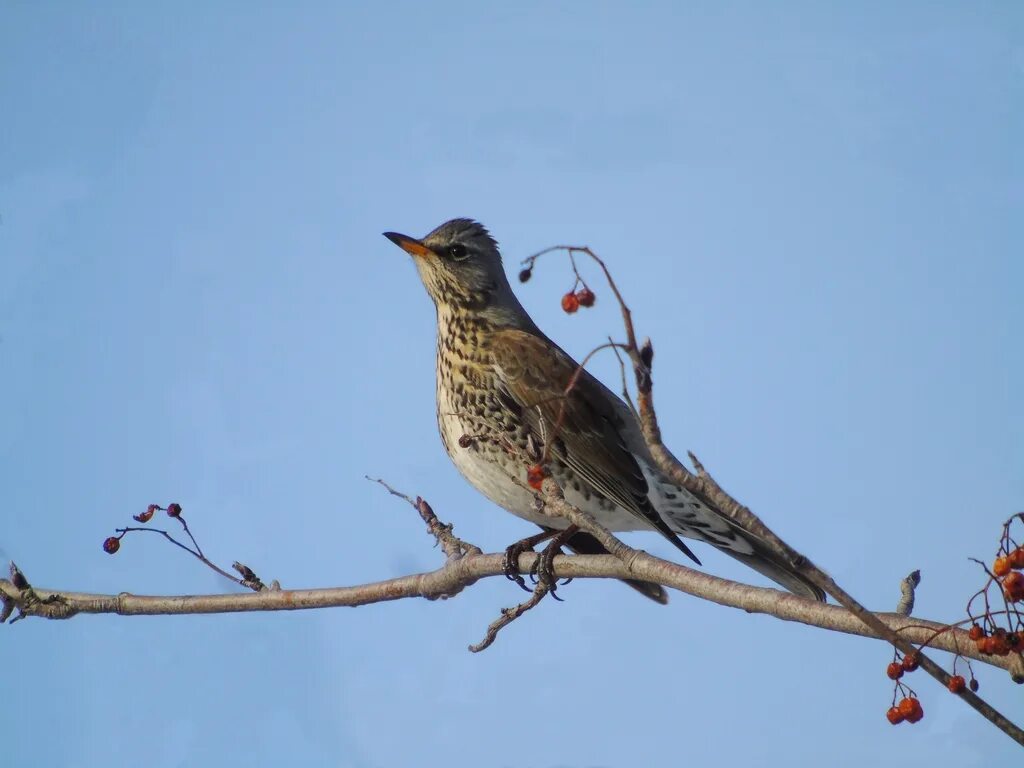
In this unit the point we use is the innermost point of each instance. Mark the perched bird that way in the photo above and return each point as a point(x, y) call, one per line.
point(500, 388)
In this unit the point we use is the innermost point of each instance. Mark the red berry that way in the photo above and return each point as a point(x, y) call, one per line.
point(894, 670)
point(1013, 586)
point(174, 510)
point(570, 303)
point(998, 644)
point(1016, 558)
point(586, 297)
point(957, 684)
point(535, 476)
point(911, 662)
point(895, 716)
point(1001, 566)
point(911, 709)
point(111, 544)
point(975, 632)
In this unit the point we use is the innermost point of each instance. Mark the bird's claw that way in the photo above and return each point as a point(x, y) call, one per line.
point(510, 563)
point(542, 571)
point(545, 565)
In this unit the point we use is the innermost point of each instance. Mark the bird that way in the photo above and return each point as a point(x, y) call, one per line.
point(503, 404)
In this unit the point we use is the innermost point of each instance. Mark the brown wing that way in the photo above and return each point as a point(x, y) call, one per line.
point(535, 375)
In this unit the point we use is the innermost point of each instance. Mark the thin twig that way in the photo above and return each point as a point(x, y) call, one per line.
point(508, 615)
point(196, 553)
point(450, 544)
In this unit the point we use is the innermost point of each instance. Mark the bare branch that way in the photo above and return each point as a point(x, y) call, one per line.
point(455, 574)
point(452, 545)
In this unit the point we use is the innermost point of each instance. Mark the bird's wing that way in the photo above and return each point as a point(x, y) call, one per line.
point(583, 425)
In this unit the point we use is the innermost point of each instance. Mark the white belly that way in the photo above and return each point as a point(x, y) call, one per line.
point(493, 480)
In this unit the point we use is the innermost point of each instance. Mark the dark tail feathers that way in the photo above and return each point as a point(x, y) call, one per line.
point(583, 543)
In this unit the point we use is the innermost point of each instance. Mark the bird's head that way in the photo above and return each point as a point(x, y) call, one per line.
point(460, 266)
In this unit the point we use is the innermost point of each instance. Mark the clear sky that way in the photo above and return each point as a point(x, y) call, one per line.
point(815, 210)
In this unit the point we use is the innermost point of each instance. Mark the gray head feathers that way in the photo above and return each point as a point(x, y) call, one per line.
point(468, 232)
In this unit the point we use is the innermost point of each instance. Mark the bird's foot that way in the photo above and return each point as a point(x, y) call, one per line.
point(545, 584)
point(544, 567)
point(512, 553)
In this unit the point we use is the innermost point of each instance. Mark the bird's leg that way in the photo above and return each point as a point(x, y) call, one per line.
point(512, 553)
point(545, 563)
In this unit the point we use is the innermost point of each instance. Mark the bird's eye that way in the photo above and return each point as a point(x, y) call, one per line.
point(457, 251)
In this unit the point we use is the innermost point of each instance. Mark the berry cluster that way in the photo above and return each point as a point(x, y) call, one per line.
point(1007, 575)
point(998, 643)
point(112, 544)
point(908, 709)
point(1007, 567)
point(573, 300)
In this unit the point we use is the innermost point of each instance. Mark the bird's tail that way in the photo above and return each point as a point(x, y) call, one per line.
point(765, 561)
point(582, 543)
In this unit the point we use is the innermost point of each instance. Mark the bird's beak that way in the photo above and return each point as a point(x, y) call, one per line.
point(409, 244)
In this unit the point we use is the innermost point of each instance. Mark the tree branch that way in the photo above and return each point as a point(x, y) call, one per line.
point(461, 572)
point(704, 486)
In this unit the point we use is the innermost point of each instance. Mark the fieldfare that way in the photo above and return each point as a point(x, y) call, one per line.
point(500, 389)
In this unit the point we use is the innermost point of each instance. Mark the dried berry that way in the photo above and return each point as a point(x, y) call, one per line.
point(174, 510)
point(111, 544)
point(585, 297)
point(525, 275)
point(975, 632)
point(570, 303)
point(465, 441)
point(973, 685)
point(145, 517)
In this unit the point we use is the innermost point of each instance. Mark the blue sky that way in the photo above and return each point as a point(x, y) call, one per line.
point(814, 210)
